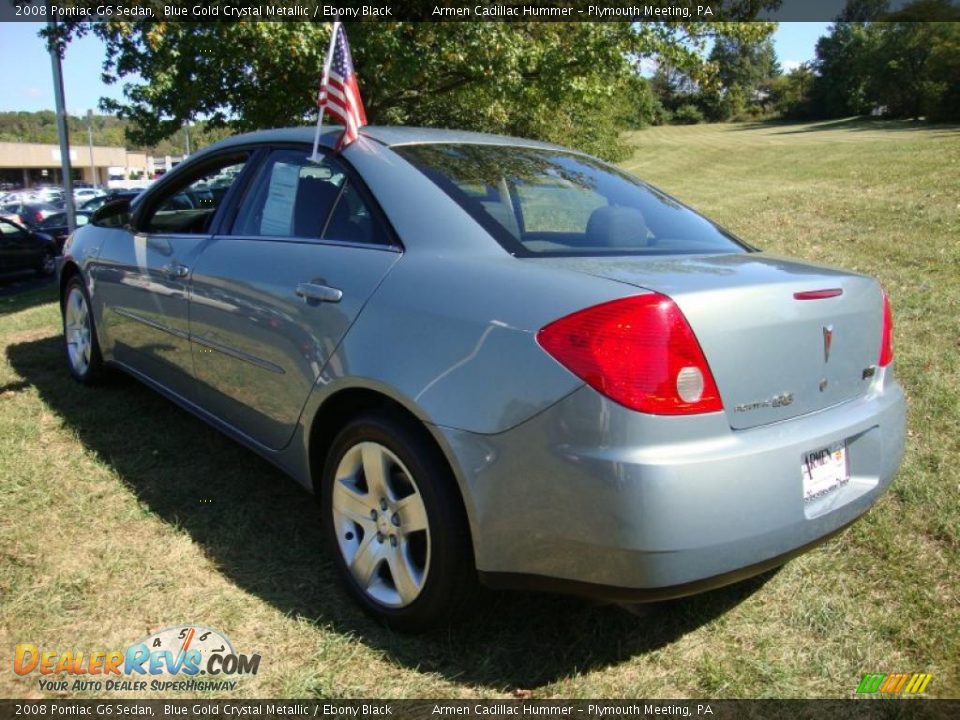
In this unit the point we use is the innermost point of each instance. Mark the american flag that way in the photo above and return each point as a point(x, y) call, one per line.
point(339, 94)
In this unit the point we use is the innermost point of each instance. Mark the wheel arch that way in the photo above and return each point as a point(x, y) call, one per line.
point(342, 405)
point(67, 272)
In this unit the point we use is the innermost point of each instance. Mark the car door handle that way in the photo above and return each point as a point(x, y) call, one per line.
point(319, 293)
point(175, 270)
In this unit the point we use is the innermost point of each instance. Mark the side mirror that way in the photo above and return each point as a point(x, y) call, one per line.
point(114, 214)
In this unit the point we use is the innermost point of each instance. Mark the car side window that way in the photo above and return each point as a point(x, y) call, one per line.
point(188, 208)
point(10, 231)
point(294, 197)
point(352, 220)
point(291, 197)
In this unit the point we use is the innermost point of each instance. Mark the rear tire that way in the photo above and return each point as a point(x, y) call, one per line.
point(395, 524)
point(79, 334)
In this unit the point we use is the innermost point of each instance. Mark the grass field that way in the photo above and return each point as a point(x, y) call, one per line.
point(120, 514)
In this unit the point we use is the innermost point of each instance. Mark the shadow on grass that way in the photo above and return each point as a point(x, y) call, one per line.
point(792, 127)
point(261, 529)
point(18, 293)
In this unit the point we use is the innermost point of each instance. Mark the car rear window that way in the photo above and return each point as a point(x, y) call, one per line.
point(545, 202)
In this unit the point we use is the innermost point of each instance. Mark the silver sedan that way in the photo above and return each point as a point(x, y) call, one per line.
point(496, 360)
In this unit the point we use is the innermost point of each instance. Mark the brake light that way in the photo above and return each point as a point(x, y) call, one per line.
point(640, 352)
point(886, 333)
point(818, 294)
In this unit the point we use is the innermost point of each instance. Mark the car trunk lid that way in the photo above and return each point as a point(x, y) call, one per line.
point(777, 346)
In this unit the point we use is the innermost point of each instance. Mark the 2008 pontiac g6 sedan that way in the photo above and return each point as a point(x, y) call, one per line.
point(495, 359)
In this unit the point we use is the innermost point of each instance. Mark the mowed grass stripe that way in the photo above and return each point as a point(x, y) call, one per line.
point(107, 534)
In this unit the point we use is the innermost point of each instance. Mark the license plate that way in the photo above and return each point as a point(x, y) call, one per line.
point(824, 471)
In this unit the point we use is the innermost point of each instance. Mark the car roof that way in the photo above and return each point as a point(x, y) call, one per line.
point(389, 135)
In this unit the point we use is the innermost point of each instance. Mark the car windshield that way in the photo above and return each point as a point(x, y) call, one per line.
point(543, 202)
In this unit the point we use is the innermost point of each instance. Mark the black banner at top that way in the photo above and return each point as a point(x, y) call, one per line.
point(457, 10)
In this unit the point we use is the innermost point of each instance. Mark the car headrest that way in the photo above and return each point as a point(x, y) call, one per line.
point(312, 205)
point(617, 226)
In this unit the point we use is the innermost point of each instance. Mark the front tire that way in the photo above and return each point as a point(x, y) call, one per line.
point(79, 334)
point(395, 524)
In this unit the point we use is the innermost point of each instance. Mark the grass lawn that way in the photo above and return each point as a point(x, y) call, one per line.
point(122, 514)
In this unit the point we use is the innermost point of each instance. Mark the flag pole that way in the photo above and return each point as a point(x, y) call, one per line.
point(322, 97)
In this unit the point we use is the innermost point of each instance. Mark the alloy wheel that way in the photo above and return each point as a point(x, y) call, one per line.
point(77, 329)
point(381, 523)
point(49, 264)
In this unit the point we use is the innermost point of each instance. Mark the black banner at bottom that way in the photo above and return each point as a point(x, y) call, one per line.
point(483, 709)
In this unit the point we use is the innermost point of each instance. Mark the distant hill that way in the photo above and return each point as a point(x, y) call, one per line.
point(41, 127)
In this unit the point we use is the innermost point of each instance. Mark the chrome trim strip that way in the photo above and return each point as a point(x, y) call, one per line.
point(152, 323)
point(239, 354)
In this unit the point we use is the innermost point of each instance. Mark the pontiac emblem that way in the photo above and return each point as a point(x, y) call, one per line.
point(827, 342)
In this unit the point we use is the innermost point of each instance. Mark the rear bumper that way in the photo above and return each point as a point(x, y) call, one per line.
point(613, 593)
point(591, 498)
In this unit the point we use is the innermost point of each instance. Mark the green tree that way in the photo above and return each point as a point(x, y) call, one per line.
point(744, 62)
point(555, 81)
point(914, 60)
point(41, 127)
point(790, 93)
point(844, 66)
point(904, 63)
point(863, 10)
point(674, 88)
point(639, 106)
point(945, 68)
point(745, 69)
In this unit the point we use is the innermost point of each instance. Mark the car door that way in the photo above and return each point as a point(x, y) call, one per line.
point(273, 296)
point(16, 249)
point(143, 275)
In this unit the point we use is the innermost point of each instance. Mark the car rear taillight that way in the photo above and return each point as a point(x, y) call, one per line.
point(640, 352)
point(886, 333)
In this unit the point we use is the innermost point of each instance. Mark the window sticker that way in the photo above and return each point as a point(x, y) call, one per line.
point(278, 210)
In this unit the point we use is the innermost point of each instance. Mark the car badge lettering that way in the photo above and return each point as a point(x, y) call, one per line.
point(781, 400)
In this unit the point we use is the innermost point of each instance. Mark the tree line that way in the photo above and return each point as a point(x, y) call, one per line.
point(41, 127)
point(903, 64)
point(577, 84)
point(571, 83)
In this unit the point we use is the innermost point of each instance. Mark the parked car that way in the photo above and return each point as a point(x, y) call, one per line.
point(81, 195)
point(11, 216)
point(101, 200)
point(56, 225)
point(496, 358)
point(12, 197)
point(47, 194)
point(24, 249)
point(30, 213)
